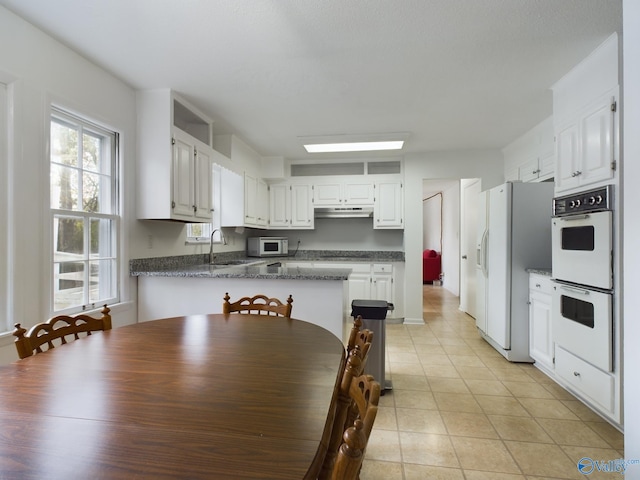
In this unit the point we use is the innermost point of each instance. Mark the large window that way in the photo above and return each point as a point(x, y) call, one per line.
point(84, 213)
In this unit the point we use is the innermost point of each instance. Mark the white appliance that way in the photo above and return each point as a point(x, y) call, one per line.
point(582, 235)
point(583, 323)
point(582, 306)
point(514, 233)
point(267, 246)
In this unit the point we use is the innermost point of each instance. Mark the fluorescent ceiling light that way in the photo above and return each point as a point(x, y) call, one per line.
point(354, 146)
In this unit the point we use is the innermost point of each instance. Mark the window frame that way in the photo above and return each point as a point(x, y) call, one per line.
point(114, 216)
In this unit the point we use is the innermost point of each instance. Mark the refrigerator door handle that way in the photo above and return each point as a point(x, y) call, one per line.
point(483, 248)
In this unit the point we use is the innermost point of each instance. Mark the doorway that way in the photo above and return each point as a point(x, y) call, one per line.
point(449, 227)
point(441, 227)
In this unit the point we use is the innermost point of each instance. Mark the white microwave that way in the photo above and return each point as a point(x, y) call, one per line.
point(267, 246)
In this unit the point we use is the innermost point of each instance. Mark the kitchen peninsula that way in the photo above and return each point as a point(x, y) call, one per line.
point(186, 285)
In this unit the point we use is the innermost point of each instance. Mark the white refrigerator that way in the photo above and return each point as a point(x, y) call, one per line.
point(514, 234)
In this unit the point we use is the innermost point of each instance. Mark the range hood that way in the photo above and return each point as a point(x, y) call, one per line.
point(343, 212)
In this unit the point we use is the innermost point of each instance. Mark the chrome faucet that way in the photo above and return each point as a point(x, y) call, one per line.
point(212, 257)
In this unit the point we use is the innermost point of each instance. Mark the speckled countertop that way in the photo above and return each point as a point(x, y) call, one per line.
point(236, 265)
point(540, 271)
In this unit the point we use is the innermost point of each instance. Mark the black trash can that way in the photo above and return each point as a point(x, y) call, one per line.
point(374, 313)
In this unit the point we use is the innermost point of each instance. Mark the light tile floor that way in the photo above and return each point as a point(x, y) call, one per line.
point(459, 410)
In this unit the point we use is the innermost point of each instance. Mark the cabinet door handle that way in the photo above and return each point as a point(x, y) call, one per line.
point(576, 374)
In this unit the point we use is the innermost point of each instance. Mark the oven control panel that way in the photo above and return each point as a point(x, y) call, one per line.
point(597, 200)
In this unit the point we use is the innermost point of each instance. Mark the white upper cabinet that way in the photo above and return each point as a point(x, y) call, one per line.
point(245, 200)
point(231, 198)
point(388, 209)
point(585, 145)
point(531, 157)
point(358, 193)
point(262, 208)
point(174, 158)
point(290, 206)
point(191, 179)
point(586, 120)
point(279, 205)
point(350, 193)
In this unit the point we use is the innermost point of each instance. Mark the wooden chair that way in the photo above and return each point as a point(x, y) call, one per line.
point(58, 328)
point(361, 339)
point(358, 398)
point(260, 304)
point(359, 343)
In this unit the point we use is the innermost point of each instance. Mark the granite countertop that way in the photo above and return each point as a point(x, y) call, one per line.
point(540, 271)
point(260, 271)
point(236, 265)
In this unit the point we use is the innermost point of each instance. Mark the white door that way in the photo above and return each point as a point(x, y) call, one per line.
point(262, 208)
point(327, 194)
point(468, 247)
point(279, 205)
point(356, 193)
point(203, 186)
point(597, 146)
point(250, 199)
point(388, 205)
point(567, 160)
point(183, 202)
point(540, 336)
point(301, 207)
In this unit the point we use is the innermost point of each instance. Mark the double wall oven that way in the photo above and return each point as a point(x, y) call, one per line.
point(582, 268)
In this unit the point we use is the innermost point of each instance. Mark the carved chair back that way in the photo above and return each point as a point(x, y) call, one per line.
point(258, 304)
point(58, 331)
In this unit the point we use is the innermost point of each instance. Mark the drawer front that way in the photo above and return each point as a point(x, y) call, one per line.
point(540, 283)
point(584, 377)
point(355, 267)
point(382, 268)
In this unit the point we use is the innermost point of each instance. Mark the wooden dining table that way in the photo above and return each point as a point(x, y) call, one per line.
point(202, 396)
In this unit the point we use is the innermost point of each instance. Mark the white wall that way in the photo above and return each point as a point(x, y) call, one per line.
point(630, 176)
point(40, 71)
point(432, 222)
point(485, 164)
point(341, 234)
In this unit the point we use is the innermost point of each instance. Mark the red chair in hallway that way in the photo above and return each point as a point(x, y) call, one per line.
point(431, 266)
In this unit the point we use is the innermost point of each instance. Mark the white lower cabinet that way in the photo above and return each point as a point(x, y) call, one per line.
point(367, 281)
point(382, 282)
point(540, 324)
point(592, 385)
point(588, 381)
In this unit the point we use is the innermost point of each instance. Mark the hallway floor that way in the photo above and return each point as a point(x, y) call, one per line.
point(459, 410)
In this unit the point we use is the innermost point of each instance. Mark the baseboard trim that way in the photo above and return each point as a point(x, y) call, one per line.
point(413, 321)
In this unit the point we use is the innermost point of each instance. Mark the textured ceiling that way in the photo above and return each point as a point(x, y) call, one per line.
point(454, 74)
